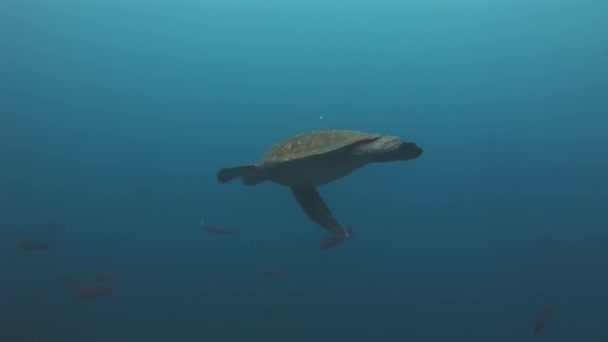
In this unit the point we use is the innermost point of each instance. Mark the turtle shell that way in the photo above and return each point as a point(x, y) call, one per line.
point(313, 143)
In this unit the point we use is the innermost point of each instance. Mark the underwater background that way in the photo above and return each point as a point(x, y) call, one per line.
point(116, 115)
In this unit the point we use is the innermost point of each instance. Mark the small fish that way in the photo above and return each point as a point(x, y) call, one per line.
point(332, 240)
point(90, 292)
point(273, 273)
point(217, 228)
point(31, 245)
point(543, 319)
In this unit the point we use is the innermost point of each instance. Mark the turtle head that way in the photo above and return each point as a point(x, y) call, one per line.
point(394, 149)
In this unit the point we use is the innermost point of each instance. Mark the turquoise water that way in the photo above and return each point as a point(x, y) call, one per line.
point(116, 115)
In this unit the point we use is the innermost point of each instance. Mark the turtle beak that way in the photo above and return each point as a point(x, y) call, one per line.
point(409, 151)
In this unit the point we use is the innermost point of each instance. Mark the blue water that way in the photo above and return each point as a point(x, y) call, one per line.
point(116, 115)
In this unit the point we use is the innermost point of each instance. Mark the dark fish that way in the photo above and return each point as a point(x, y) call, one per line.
point(90, 292)
point(31, 245)
point(217, 228)
point(273, 273)
point(543, 319)
point(332, 240)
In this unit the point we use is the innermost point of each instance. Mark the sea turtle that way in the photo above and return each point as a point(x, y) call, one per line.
point(305, 161)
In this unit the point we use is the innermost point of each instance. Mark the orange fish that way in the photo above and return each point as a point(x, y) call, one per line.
point(31, 245)
point(217, 228)
point(543, 319)
point(86, 293)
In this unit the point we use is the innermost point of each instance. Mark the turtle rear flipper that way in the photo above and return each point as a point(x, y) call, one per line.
point(250, 174)
point(315, 208)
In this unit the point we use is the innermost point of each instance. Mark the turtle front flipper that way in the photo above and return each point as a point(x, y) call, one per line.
point(250, 174)
point(313, 205)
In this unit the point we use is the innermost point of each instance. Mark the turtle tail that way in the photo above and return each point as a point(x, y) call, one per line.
point(250, 174)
